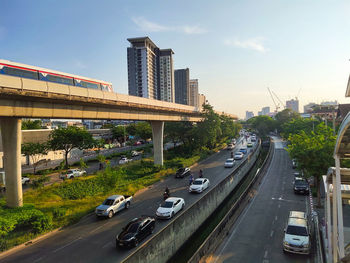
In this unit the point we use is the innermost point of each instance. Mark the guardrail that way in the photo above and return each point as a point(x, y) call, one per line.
point(162, 246)
point(223, 228)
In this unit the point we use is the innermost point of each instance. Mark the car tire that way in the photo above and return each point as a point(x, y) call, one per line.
point(71, 177)
point(136, 243)
point(110, 214)
point(182, 207)
point(172, 214)
point(152, 230)
point(127, 205)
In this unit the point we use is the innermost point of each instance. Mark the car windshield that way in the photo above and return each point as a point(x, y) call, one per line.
point(108, 202)
point(300, 182)
point(197, 182)
point(181, 170)
point(297, 231)
point(132, 228)
point(69, 172)
point(238, 154)
point(167, 204)
point(229, 161)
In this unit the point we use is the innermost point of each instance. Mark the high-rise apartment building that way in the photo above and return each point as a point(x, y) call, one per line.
point(150, 70)
point(182, 86)
point(166, 75)
point(201, 100)
point(293, 105)
point(193, 93)
point(265, 110)
point(248, 115)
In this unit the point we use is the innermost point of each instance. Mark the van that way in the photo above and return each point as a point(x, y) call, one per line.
point(296, 234)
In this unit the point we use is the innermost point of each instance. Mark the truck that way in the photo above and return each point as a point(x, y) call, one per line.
point(25, 180)
point(71, 173)
point(112, 205)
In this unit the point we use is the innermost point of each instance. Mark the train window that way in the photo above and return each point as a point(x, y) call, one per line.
point(104, 87)
point(86, 84)
point(57, 79)
point(20, 73)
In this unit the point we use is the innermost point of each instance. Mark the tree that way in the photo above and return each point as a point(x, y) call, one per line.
point(31, 125)
point(131, 129)
point(209, 130)
point(262, 124)
point(313, 152)
point(144, 130)
point(285, 116)
point(101, 159)
point(297, 125)
point(35, 151)
point(119, 133)
point(68, 138)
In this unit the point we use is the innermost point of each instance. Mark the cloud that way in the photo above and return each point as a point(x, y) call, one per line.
point(145, 25)
point(253, 43)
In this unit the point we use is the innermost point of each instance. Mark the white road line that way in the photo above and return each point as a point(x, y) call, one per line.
point(245, 212)
point(276, 218)
point(271, 234)
point(92, 231)
point(279, 205)
point(265, 255)
point(66, 245)
point(107, 244)
point(37, 260)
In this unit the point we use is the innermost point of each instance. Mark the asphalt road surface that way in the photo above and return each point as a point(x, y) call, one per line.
point(93, 240)
point(257, 235)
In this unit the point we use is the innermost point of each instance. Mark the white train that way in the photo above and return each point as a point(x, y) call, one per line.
point(32, 72)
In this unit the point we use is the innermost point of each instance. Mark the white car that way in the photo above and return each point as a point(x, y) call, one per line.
point(238, 156)
point(25, 180)
point(296, 235)
point(230, 147)
point(199, 185)
point(170, 207)
point(229, 163)
point(135, 153)
point(71, 173)
point(124, 160)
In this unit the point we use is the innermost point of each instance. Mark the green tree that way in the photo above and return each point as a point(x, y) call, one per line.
point(82, 164)
point(285, 116)
point(313, 152)
point(209, 130)
point(144, 130)
point(101, 159)
point(69, 138)
point(32, 125)
point(35, 151)
point(119, 133)
point(297, 125)
point(262, 124)
point(131, 129)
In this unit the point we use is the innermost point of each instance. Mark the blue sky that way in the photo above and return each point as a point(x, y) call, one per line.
point(235, 48)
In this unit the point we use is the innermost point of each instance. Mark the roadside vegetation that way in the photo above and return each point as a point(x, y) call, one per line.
point(310, 142)
point(61, 204)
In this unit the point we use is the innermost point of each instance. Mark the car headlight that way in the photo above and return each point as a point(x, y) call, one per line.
point(305, 245)
point(285, 243)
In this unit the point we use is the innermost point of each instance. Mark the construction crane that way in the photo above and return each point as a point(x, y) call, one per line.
point(274, 102)
point(279, 100)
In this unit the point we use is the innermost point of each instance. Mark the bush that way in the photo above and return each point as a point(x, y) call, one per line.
point(39, 182)
point(41, 222)
point(6, 226)
point(58, 212)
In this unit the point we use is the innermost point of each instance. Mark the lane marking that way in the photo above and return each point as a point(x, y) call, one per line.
point(271, 234)
point(275, 218)
point(92, 231)
point(265, 255)
point(107, 244)
point(66, 245)
point(37, 260)
point(279, 205)
point(247, 209)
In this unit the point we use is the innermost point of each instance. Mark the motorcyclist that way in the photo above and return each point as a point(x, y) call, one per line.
point(191, 179)
point(167, 191)
point(200, 173)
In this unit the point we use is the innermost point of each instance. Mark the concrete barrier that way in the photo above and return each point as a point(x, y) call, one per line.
point(162, 246)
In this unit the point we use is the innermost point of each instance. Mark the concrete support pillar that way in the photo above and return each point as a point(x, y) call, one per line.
point(157, 134)
point(328, 222)
point(338, 196)
point(11, 141)
point(334, 220)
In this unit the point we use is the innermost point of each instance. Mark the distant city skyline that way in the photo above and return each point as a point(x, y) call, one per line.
point(241, 50)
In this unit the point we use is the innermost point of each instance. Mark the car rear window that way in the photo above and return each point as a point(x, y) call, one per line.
point(197, 182)
point(133, 228)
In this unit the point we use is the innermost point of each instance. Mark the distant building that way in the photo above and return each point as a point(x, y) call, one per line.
point(150, 70)
point(201, 100)
point(260, 113)
point(248, 115)
point(182, 86)
point(329, 103)
point(265, 110)
point(308, 107)
point(193, 93)
point(293, 105)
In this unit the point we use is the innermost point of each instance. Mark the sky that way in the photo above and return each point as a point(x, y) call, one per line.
point(236, 49)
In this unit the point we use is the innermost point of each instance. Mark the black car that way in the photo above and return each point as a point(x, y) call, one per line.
point(294, 164)
point(301, 186)
point(135, 231)
point(182, 172)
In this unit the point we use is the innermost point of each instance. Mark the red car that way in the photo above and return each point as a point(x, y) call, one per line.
point(137, 143)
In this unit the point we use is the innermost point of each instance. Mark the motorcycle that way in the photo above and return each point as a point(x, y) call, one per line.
point(166, 195)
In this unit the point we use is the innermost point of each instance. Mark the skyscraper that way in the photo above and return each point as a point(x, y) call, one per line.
point(166, 75)
point(265, 110)
point(293, 105)
point(150, 70)
point(248, 115)
point(182, 86)
point(194, 96)
point(201, 100)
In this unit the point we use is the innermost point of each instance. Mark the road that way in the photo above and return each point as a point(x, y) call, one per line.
point(93, 240)
point(258, 233)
